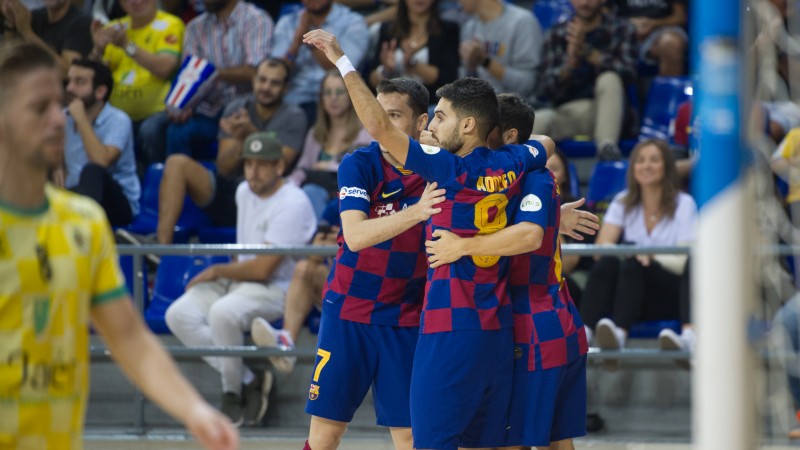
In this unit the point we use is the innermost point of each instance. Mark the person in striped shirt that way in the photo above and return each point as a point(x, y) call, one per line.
point(234, 36)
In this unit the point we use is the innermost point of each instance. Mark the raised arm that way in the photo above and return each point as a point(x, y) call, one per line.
point(372, 115)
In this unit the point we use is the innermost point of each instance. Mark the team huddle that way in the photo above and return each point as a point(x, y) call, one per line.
point(480, 345)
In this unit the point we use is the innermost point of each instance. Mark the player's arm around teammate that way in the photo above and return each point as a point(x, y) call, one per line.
point(361, 232)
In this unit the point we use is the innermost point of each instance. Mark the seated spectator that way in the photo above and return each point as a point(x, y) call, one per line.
point(651, 212)
point(143, 50)
point(501, 43)
point(304, 293)
point(221, 302)
point(417, 44)
point(99, 143)
point(59, 26)
point(559, 166)
point(235, 37)
point(309, 64)
point(264, 110)
point(661, 31)
point(336, 133)
point(584, 65)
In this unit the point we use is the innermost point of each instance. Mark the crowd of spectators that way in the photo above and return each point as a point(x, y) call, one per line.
point(119, 59)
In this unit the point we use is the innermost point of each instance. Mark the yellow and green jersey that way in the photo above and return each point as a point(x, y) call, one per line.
point(56, 263)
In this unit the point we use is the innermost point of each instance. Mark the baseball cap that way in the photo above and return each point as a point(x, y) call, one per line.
point(262, 146)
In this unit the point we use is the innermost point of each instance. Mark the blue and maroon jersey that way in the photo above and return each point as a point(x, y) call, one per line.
point(547, 326)
point(471, 293)
point(383, 284)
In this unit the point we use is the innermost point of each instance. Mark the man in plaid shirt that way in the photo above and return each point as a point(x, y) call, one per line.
point(584, 64)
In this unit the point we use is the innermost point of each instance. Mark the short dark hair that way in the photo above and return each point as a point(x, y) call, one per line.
point(515, 112)
point(18, 58)
point(473, 97)
point(277, 62)
point(418, 96)
point(102, 74)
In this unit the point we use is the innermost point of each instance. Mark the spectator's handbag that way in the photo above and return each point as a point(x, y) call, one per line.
point(195, 78)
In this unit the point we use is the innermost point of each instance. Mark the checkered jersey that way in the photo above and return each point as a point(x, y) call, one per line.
point(383, 284)
point(547, 326)
point(471, 293)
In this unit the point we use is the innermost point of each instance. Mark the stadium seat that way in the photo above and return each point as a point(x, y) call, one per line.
point(217, 235)
point(661, 106)
point(608, 178)
point(552, 12)
point(582, 148)
point(574, 183)
point(173, 274)
point(192, 217)
point(650, 329)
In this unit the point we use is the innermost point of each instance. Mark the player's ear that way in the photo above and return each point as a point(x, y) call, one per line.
point(422, 121)
point(469, 125)
point(510, 136)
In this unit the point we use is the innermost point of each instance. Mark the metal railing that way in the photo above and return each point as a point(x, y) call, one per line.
point(251, 351)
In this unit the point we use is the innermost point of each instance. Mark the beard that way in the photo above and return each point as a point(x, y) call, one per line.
point(451, 143)
point(88, 101)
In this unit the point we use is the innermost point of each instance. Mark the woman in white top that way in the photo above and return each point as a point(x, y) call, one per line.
point(652, 212)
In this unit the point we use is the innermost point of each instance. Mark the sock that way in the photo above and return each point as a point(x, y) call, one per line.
point(306, 447)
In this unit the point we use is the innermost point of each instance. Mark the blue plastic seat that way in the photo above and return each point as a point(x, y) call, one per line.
point(217, 235)
point(608, 179)
point(192, 217)
point(552, 12)
point(650, 329)
point(574, 183)
point(663, 99)
point(574, 148)
point(172, 276)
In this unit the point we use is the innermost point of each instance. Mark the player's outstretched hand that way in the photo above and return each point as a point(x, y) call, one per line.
point(212, 429)
point(446, 248)
point(426, 206)
point(326, 42)
point(575, 221)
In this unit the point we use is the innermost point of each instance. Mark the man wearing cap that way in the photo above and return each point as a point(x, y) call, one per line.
point(221, 301)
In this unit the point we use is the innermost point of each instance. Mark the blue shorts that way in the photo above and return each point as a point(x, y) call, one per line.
point(548, 405)
point(351, 358)
point(461, 389)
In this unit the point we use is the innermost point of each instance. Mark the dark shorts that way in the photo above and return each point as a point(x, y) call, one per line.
point(548, 405)
point(222, 207)
point(353, 357)
point(461, 389)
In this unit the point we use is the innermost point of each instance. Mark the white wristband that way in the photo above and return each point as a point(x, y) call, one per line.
point(344, 65)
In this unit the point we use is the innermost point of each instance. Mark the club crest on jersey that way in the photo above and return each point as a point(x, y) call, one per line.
point(313, 392)
point(533, 150)
point(429, 149)
point(530, 203)
point(385, 210)
point(353, 192)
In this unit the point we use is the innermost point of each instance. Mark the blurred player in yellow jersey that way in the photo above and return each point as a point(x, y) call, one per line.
point(58, 271)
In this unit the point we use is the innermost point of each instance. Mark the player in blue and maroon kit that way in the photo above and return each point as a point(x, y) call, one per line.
point(461, 380)
point(548, 406)
point(373, 296)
